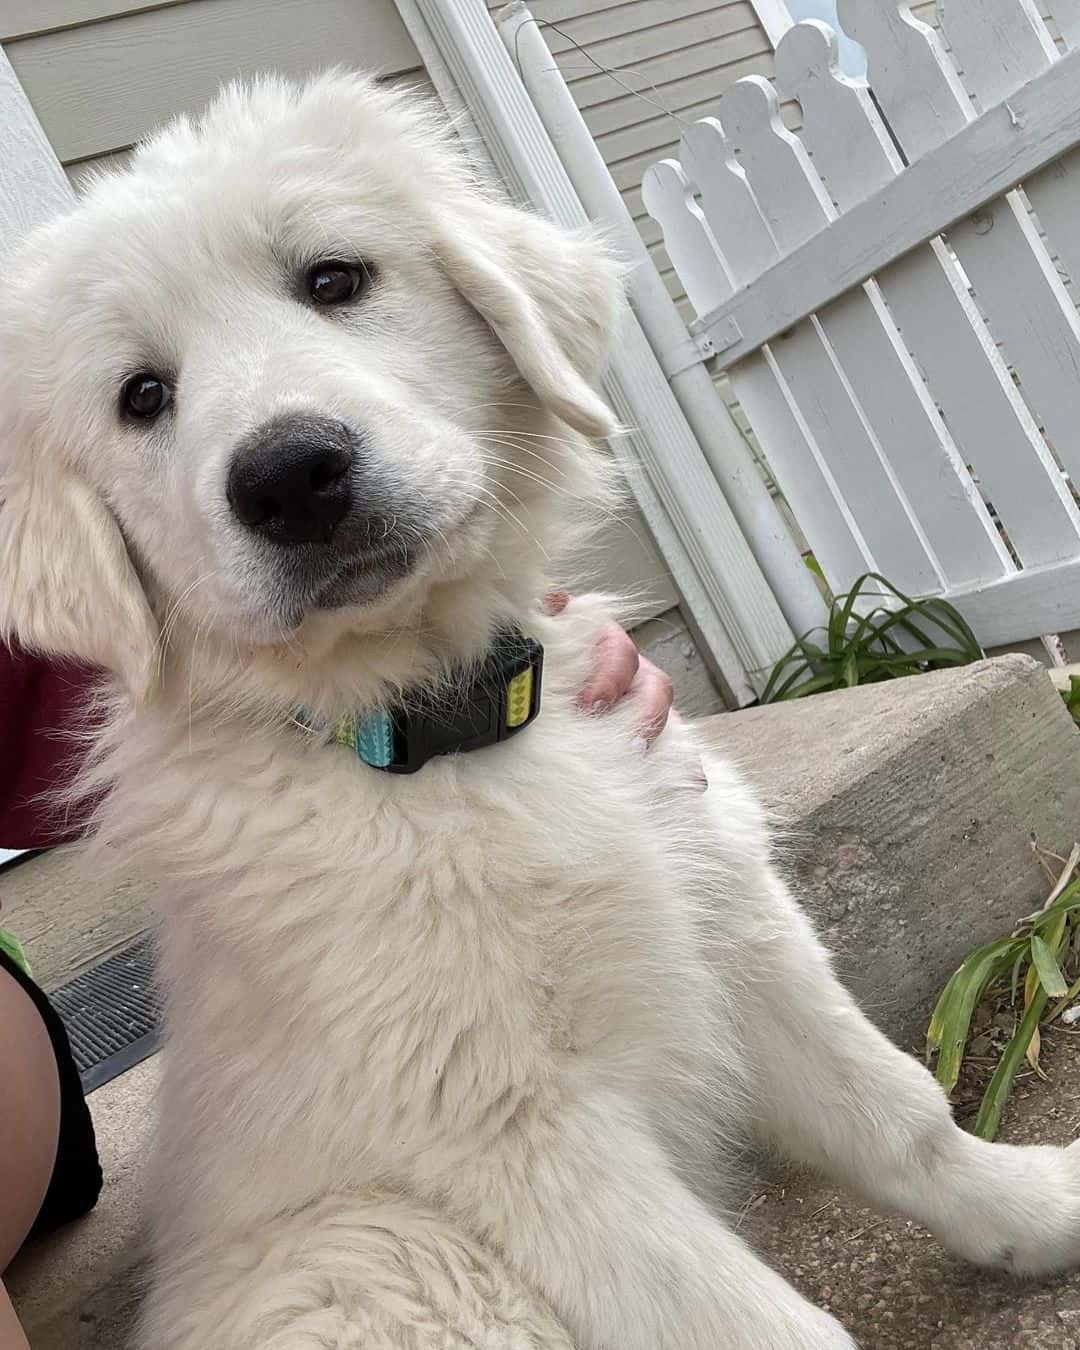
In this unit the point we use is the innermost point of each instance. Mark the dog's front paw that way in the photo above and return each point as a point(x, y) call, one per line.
point(1021, 1210)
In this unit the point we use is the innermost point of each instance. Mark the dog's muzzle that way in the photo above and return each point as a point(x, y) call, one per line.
point(291, 480)
point(327, 525)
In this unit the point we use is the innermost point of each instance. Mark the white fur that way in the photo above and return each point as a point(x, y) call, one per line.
point(452, 1060)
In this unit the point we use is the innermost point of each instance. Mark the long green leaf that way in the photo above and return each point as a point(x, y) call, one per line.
point(1014, 979)
point(955, 619)
point(942, 615)
point(946, 656)
point(943, 1012)
point(837, 632)
point(850, 671)
point(926, 644)
point(775, 675)
point(881, 632)
point(1045, 962)
point(988, 1120)
point(774, 692)
point(951, 1019)
point(904, 621)
point(866, 624)
point(947, 617)
point(805, 656)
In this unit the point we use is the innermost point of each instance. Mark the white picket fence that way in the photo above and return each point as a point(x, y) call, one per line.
point(889, 291)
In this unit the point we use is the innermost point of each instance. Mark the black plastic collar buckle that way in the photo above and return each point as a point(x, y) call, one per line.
point(500, 699)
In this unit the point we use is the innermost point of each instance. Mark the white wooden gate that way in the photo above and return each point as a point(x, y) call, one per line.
point(892, 293)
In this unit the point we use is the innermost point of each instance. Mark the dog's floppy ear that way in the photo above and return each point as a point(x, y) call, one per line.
point(67, 585)
point(551, 298)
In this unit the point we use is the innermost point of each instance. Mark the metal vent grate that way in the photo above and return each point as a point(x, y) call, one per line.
point(112, 1013)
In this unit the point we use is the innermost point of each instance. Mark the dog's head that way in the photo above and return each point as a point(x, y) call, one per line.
point(289, 376)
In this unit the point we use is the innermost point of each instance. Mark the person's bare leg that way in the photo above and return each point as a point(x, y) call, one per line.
point(12, 1336)
point(29, 1129)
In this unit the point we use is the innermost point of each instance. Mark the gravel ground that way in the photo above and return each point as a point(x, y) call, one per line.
point(888, 1280)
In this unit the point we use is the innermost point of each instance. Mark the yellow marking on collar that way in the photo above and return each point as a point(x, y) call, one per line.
point(519, 699)
point(345, 731)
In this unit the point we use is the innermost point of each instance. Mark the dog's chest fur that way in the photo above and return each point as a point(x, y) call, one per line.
point(389, 970)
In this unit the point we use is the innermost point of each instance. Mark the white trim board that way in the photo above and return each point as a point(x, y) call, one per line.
point(32, 184)
point(775, 18)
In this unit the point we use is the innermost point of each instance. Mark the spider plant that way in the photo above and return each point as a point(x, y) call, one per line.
point(1039, 958)
point(875, 632)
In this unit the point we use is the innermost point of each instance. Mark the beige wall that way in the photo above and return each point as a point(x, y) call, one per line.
point(100, 73)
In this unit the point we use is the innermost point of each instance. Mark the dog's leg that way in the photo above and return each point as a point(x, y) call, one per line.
point(834, 1092)
point(581, 1201)
point(357, 1272)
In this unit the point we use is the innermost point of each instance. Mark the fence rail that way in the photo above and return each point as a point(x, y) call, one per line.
point(889, 290)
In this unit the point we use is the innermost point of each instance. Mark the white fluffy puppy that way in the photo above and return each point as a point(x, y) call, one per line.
point(292, 414)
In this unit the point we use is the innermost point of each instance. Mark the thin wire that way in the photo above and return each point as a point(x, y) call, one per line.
point(610, 71)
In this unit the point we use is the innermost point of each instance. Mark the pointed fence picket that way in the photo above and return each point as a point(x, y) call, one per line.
point(888, 290)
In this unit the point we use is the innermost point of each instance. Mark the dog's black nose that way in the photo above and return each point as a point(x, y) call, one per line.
point(291, 480)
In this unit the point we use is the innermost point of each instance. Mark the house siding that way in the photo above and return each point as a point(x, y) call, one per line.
point(112, 72)
point(639, 70)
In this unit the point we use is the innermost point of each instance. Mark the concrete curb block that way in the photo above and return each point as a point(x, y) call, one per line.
point(910, 808)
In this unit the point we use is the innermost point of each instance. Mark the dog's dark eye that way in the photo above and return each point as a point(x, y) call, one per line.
point(145, 395)
point(335, 283)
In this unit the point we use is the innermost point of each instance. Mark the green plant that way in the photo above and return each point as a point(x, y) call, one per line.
point(1072, 697)
point(1037, 957)
point(868, 642)
point(815, 567)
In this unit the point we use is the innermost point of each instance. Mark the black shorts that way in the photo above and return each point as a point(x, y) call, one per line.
point(76, 1177)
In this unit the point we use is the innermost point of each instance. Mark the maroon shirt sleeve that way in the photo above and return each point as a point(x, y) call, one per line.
point(40, 702)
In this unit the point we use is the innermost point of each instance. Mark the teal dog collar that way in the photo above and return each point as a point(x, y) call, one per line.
point(491, 703)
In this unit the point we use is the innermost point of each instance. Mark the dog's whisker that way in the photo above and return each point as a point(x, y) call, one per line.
point(507, 442)
point(564, 442)
point(501, 509)
point(173, 616)
point(592, 506)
